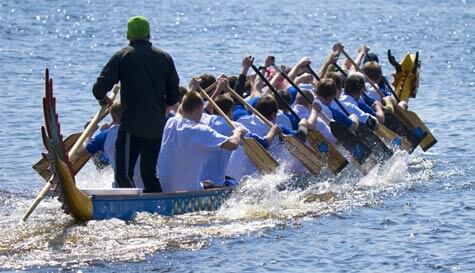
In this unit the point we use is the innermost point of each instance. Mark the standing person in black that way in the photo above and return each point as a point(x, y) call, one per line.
point(149, 83)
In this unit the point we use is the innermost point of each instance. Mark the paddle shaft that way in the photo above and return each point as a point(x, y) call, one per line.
point(253, 110)
point(391, 89)
point(276, 94)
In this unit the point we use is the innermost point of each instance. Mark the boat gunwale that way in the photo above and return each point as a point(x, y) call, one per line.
point(161, 195)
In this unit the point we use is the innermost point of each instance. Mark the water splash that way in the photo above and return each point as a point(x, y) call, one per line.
point(51, 238)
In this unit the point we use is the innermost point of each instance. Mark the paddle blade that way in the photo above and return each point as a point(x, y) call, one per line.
point(428, 140)
point(302, 153)
point(398, 127)
point(417, 126)
point(358, 150)
point(263, 161)
point(326, 152)
point(379, 148)
point(41, 167)
point(393, 139)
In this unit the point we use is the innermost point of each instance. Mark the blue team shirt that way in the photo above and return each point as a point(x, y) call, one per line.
point(293, 120)
point(341, 118)
point(96, 144)
point(293, 94)
point(239, 110)
point(365, 107)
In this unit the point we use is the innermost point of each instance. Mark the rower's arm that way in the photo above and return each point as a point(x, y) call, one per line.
point(233, 142)
point(361, 52)
point(378, 108)
point(240, 85)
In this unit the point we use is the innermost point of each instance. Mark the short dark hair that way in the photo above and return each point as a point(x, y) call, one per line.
point(326, 88)
point(354, 84)
point(373, 70)
point(286, 96)
point(337, 78)
point(232, 80)
point(267, 106)
point(206, 80)
point(182, 90)
point(191, 101)
point(302, 100)
point(370, 57)
point(225, 102)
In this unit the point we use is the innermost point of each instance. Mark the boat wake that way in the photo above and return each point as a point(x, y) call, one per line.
point(51, 238)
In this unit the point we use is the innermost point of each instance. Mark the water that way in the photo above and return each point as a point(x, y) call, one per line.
point(415, 214)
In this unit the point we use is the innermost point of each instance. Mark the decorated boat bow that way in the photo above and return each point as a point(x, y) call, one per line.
point(74, 201)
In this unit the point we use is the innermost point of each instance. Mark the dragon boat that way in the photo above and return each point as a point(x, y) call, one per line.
point(96, 204)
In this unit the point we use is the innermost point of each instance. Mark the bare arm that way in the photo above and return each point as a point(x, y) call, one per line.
point(273, 81)
point(361, 52)
point(355, 122)
point(240, 86)
point(233, 142)
point(305, 61)
point(378, 108)
point(331, 59)
point(312, 119)
point(221, 87)
point(273, 131)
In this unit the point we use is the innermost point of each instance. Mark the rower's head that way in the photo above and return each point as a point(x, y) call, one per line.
point(225, 103)
point(373, 70)
point(267, 106)
point(206, 80)
point(232, 80)
point(192, 106)
point(370, 57)
point(138, 28)
point(355, 84)
point(300, 99)
point(116, 111)
point(286, 96)
point(182, 90)
point(326, 90)
point(338, 80)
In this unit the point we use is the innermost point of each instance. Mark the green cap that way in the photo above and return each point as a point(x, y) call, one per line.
point(138, 27)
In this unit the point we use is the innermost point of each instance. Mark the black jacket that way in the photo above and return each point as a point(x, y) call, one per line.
point(149, 82)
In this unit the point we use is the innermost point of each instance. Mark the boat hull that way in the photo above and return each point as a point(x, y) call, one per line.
point(125, 207)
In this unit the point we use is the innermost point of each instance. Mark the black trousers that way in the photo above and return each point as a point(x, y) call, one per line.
point(127, 150)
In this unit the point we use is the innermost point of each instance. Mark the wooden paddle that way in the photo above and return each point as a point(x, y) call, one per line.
point(263, 161)
point(409, 118)
point(296, 147)
point(71, 153)
point(366, 134)
point(41, 167)
point(326, 151)
point(358, 150)
point(382, 131)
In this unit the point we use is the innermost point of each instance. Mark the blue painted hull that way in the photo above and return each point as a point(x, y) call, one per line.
point(125, 207)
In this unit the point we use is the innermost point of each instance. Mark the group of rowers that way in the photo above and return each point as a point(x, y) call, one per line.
point(200, 150)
